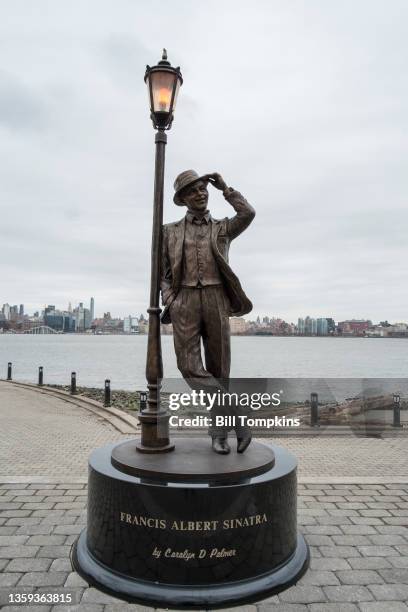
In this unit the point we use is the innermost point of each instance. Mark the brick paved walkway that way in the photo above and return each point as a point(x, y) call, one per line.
point(358, 532)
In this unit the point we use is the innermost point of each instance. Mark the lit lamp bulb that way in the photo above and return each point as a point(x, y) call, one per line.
point(164, 99)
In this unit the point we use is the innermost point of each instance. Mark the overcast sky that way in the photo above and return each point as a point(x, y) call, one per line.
point(301, 105)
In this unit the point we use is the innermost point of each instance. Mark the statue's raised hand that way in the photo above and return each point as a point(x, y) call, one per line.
point(216, 181)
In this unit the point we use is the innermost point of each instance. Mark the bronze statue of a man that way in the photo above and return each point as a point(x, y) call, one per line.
point(199, 289)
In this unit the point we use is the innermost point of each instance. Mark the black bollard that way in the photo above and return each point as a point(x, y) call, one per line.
point(73, 383)
point(143, 400)
point(397, 410)
point(107, 401)
point(40, 376)
point(9, 366)
point(314, 410)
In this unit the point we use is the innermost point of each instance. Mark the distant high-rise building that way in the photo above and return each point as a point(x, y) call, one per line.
point(6, 311)
point(238, 325)
point(92, 308)
point(82, 317)
point(21, 310)
point(322, 327)
point(130, 325)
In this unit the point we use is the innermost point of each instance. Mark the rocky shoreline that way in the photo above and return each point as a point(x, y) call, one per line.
point(123, 400)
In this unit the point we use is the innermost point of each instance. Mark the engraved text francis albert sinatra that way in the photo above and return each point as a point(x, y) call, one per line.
point(184, 525)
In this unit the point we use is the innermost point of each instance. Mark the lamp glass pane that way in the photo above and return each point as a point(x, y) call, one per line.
point(176, 93)
point(162, 84)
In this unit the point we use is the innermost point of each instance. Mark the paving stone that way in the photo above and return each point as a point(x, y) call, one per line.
point(334, 607)
point(37, 506)
point(61, 499)
point(29, 499)
point(11, 552)
point(400, 562)
point(39, 529)
point(377, 551)
point(318, 540)
point(41, 608)
point(386, 506)
point(52, 492)
point(69, 506)
point(22, 521)
point(10, 505)
point(383, 606)
point(330, 564)
point(54, 552)
point(397, 592)
point(67, 529)
point(366, 520)
point(351, 540)
point(303, 594)
point(348, 593)
point(387, 540)
point(339, 551)
point(80, 608)
point(375, 513)
point(12, 540)
point(359, 529)
point(94, 596)
point(319, 578)
point(355, 576)
point(8, 579)
point(29, 565)
point(393, 529)
point(395, 575)
point(58, 521)
point(46, 540)
point(43, 579)
point(61, 565)
point(322, 530)
point(138, 608)
point(335, 520)
point(7, 530)
point(3, 563)
point(370, 563)
point(75, 580)
point(282, 607)
point(395, 520)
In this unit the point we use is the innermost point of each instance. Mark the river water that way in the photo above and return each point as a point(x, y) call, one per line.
point(122, 358)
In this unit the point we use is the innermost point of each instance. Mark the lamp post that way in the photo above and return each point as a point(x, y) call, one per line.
point(163, 82)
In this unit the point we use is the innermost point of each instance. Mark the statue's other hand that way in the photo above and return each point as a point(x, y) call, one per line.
point(216, 181)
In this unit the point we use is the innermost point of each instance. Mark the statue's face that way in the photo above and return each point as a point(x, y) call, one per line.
point(195, 197)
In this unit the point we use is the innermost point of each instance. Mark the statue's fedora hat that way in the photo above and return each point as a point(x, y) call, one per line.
point(185, 179)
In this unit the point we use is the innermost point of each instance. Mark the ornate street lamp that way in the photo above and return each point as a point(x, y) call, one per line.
point(163, 82)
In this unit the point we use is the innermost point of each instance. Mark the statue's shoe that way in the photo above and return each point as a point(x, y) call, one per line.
point(220, 446)
point(243, 443)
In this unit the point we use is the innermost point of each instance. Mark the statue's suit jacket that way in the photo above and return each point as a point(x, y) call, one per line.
point(222, 232)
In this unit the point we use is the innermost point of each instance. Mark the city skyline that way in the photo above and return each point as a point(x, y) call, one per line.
point(301, 321)
point(305, 117)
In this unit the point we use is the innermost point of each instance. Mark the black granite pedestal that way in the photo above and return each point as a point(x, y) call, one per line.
point(191, 529)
